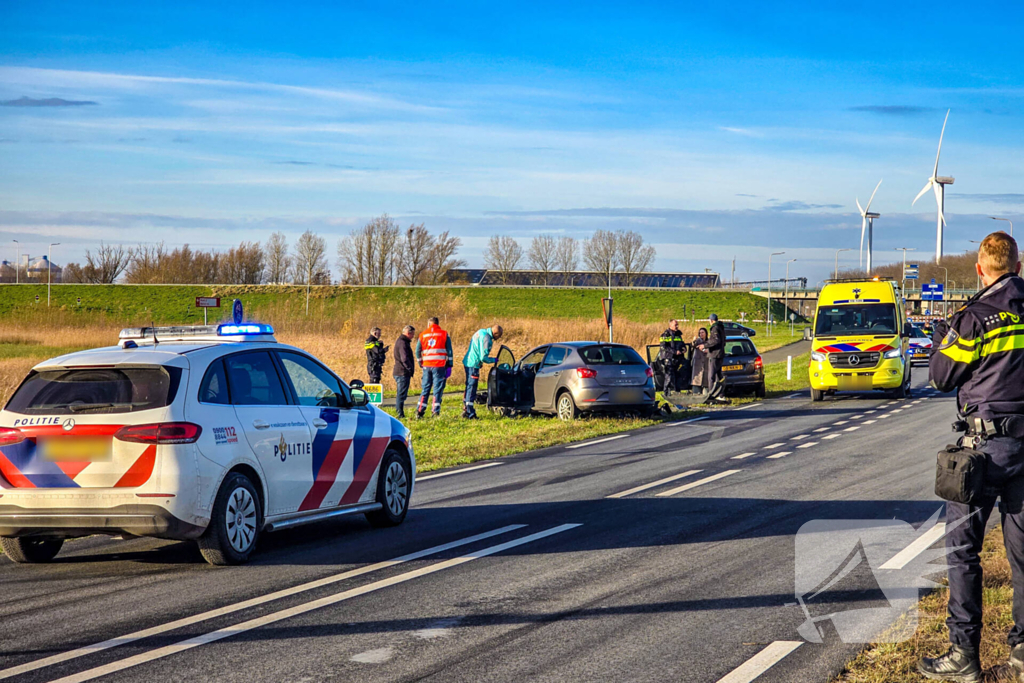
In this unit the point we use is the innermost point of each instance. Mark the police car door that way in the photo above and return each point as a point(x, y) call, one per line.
point(502, 383)
point(324, 476)
point(274, 427)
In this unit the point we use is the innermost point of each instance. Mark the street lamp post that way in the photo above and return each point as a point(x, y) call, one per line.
point(945, 299)
point(997, 218)
point(769, 317)
point(837, 261)
point(903, 287)
point(17, 264)
point(787, 286)
point(49, 269)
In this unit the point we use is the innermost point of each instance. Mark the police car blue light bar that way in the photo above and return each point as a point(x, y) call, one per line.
point(232, 330)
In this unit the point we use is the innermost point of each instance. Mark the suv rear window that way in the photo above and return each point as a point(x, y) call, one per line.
point(739, 347)
point(96, 390)
point(610, 355)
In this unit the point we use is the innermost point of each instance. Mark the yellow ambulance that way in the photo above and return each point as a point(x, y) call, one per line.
point(861, 339)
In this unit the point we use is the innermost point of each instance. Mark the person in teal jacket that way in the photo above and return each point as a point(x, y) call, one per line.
point(479, 352)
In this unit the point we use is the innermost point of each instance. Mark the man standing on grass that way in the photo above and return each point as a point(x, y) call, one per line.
point(673, 359)
point(405, 367)
point(982, 357)
point(376, 354)
point(434, 353)
point(479, 352)
point(714, 350)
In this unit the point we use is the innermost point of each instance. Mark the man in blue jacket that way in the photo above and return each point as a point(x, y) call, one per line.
point(479, 352)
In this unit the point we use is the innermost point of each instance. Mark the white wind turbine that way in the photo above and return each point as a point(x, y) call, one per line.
point(867, 224)
point(938, 184)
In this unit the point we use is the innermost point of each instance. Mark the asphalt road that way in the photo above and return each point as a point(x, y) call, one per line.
point(544, 577)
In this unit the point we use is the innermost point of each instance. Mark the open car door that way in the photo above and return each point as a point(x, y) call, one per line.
point(502, 382)
point(657, 366)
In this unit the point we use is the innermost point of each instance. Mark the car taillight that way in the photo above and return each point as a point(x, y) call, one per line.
point(758, 363)
point(649, 371)
point(10, 436)
point(586, 373)
point(160, 433)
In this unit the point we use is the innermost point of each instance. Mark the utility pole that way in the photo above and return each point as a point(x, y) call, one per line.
point(733, 276)
point(769, 317)
point(49, 269)
point(945, 298)
point(17, 264)
point(787, 286)
point(997, 218)
point(903, 284)
point(837, 261)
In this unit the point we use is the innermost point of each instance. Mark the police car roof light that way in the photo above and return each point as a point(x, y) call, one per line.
point(244, 328)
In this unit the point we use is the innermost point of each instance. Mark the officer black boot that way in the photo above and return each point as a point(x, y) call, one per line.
point(1016, 662)
point(958, 664)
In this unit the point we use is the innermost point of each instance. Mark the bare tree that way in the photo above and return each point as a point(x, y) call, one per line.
point(368, 254)
point(276, 258)
point(108, 264)
point(600, 253)
point(634, 256)
point(503, 254)
point(413, 262)
point(567, 257)
point(543, 255)
point(310, 261)
point(72, 274)
point(243, 265)
point(442, 258)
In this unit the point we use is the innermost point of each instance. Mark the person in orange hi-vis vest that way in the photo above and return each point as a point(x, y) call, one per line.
point(434, 353)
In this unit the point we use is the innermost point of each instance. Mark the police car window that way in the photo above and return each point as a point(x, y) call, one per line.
point(856, 319)
point(313, 384)
point(253, 380)
point(214, 388)
point(555, 356)
point(96, 390)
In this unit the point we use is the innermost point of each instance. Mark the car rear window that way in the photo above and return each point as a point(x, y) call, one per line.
point(610, 355)
point(96, 390)
point(739, 347)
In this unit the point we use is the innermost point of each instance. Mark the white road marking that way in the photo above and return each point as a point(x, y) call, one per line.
point(686, 422)
point(774, 445)
point(856, 417)
point(594, 443)
point(851, 429)
point(797, 395)
point(644, 487)
point(245, 604)
point(694, 484)
point(274, 617)
point(882, 417)
point(869, 422)
point(460, 471)
point(841, 422)
point(920, 544)
point(896, 410)
point(752, 405)
point(832, 436)
point(800, 436)
point(761, 662)
point(808, 444)
point(868, 412)
point(781, 454)
point(821, 429)
point(741, 456)
point(378, 656)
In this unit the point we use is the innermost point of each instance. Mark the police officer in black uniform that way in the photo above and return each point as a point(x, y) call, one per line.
point(982, 355)
point(376, 353)
point(673, 359)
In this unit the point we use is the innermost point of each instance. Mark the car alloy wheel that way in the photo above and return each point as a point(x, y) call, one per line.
point(396, 488)
point(566, 407)
point(240, 518)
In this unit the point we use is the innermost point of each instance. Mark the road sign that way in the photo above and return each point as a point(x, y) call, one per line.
point(375, 392)
point(236, 312)
point(932, 292)
point(910, 272)
point(207, 302)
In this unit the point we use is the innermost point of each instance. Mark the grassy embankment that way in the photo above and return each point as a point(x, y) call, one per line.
point(897, 662)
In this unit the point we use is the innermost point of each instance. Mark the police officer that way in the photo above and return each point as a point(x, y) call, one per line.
point(982, 355)
point(673, 357)
point(376, 354)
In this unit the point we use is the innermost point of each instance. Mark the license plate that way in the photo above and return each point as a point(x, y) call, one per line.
point(75, 449)
point(733, 367)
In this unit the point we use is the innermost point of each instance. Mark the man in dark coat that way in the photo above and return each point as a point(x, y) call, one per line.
point(376, 354)
point(715, 351)
point(405, 367)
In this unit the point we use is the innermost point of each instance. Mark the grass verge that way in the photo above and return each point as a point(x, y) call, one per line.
point(897, 662)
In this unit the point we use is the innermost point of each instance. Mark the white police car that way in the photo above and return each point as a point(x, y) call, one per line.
point(920, 346)
point(208, 433)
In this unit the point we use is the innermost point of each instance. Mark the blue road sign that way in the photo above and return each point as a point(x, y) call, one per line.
point(236, 311)
point(931, 292)
point(910, 272)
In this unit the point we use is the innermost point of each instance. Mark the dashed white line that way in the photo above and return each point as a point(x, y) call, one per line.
point(851, 429)
point(882, 417)
point(821, 429)
point(840, 423)
point(761, 662)
point(741, 456)
point(856, 417)
point(799, 436)
point(869, 422)
point(644, 487)
point(459, 471)
point(808, 444)
point(868, 412)
point(920, 544)
point(781, 454)
point(774, 445)
point(594, 443)
point(699, 482)
point(896, 410)
point(832, 436)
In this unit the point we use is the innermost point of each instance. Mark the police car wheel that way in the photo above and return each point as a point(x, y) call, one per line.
point(30, 550)
point(392, 490)
point(235, 524)
point(567, 410)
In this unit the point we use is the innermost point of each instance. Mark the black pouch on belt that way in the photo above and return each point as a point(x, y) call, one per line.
point(960, 475)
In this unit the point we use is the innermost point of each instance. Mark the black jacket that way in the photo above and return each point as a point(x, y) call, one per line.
point(673, 341)
point(376, 353)
point(715, 344)
point(982, 354)
point(405, 360)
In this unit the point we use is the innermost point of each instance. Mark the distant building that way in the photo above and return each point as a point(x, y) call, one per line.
point(581, 278)
point(37, 270)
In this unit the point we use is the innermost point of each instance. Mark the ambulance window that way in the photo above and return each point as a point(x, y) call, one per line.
point(253, 380)
point(313, 384)
point(214, 388)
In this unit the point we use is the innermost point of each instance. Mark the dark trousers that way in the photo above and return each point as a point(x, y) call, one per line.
point(373, 374)
point(713, 378)
point(402, 385)
point(1005, 472)
point(472, 381)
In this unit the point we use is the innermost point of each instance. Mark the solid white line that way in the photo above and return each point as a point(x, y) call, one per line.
point(851, 429)
point(686, 422)
point(460, 471)
point(781, 454)
point(280, 615)
point(694, 484)
point(246, 604)
point(761, 662)
point(752, 405)
point(800, 436)
point(644, 487)
point(774, 445)
point(821, 429)
point(808, 444)
point(832, 436)
point(920, 544)
point(869, 422)
point(594, 443)
point(741, 456)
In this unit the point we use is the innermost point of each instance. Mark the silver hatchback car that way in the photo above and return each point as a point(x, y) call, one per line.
point(570, 378)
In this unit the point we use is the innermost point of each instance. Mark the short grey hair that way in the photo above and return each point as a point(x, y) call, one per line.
point(407, 329)
point(713, 317)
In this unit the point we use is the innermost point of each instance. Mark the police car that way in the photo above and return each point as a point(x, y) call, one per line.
point(212, 433)
point(920, 346)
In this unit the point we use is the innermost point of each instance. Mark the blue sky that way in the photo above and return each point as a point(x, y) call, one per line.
point(717, 132)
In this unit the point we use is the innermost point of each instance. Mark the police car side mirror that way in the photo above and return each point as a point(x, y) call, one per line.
point(359, 398)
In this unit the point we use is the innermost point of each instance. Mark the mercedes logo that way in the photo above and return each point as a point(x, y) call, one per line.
point(854, 360)
point(68, 424)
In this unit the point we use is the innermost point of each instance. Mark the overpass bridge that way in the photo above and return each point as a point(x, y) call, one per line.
point(804, 301)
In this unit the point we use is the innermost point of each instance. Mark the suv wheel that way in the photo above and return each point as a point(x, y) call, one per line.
point(30, 550)
point(235, 525)
point(567, 410)
point(393, 482)
point(760, 392)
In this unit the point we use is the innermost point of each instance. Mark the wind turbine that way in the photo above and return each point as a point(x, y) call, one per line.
point(867, 223)
point(938, 184)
